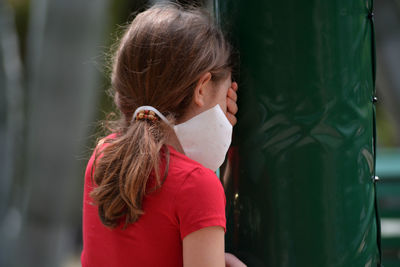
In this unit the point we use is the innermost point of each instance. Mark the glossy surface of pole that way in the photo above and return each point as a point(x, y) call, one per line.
point(299, 182)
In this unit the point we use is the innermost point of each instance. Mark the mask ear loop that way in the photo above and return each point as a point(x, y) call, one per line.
point(159, 114)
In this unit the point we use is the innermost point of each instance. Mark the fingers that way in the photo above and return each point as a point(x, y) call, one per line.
point(232, 261)
point(231, 98)
point(231, 106)
point(235, 86)
point(232, 94)
point(232, 119)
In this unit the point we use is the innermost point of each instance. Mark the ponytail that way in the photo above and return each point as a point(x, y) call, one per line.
point(123, 168)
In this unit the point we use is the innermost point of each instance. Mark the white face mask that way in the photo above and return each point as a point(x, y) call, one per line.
point(204, 138)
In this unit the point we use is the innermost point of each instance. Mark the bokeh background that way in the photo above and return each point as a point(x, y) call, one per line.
point(54, 76)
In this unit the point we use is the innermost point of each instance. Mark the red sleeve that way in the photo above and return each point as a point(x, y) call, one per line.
point(200, 202)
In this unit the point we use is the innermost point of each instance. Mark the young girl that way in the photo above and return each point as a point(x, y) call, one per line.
point(151, 196)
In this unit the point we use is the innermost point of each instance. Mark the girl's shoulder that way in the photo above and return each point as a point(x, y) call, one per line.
point(192, 174)
point(184, 165)
point(199, 199)
point(180, 167)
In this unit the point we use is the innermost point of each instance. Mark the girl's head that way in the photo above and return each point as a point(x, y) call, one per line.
point(176, 60)
point(166, 52)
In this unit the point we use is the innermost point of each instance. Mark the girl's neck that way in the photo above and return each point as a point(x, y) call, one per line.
point(174, 142)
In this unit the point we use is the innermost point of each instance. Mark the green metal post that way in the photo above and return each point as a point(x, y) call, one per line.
point(300, 176)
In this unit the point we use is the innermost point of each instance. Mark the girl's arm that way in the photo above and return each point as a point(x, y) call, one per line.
point(204, 248)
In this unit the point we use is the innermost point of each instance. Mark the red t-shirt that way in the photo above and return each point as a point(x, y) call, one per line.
point(191, 198)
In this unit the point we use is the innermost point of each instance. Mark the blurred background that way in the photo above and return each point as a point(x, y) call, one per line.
point(387, 34)
point(54, 73)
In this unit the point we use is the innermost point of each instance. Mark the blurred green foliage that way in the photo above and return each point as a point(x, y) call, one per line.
point(21, 9)
point(386, 131)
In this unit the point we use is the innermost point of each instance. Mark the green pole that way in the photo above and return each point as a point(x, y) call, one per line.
point(300, 176)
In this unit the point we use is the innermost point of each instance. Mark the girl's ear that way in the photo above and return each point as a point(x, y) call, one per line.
point(202, 90)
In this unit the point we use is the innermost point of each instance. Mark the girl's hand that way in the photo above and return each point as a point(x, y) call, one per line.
point(231, 105)
point(232, 261)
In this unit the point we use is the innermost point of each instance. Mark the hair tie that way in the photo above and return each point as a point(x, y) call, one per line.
point(148, 113)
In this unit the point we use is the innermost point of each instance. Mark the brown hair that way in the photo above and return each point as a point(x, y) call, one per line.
point(160, 58)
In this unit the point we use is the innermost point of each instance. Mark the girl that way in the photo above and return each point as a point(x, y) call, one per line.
point(151, 196)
